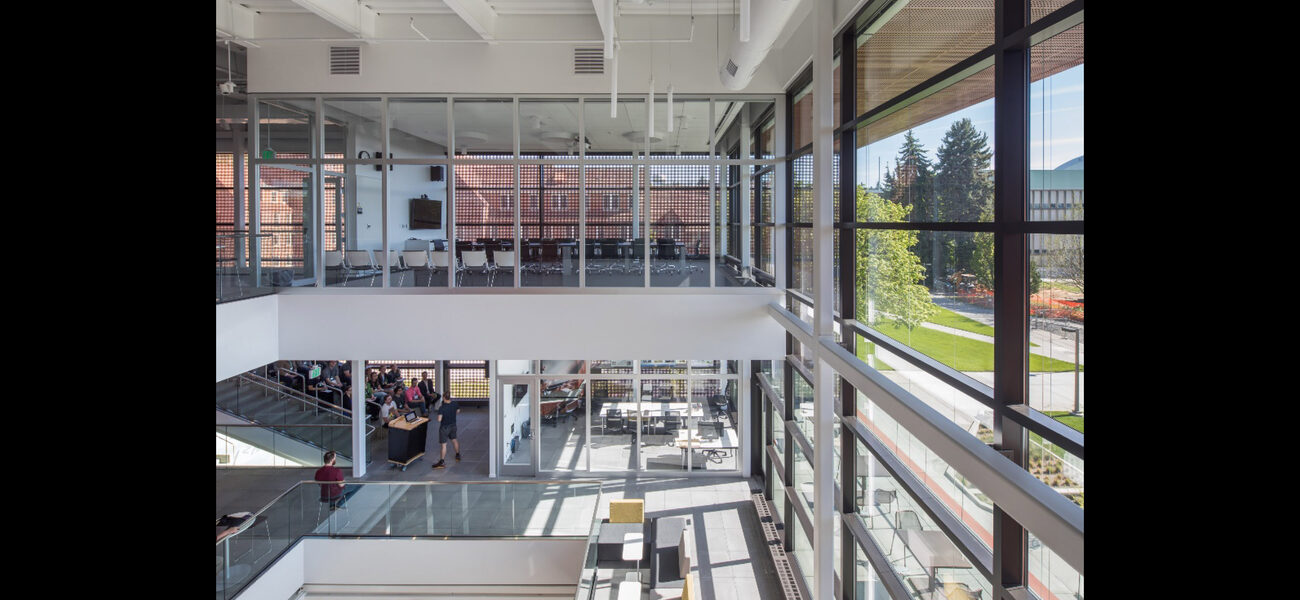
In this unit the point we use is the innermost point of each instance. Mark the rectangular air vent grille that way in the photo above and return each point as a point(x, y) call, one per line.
point(731, 68)
point(588, 60)
point(345, 60)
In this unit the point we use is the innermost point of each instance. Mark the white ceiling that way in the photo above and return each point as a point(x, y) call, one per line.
point(517, 7)
point(544, 126)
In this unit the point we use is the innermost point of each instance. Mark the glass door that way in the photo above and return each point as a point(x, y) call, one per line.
point(518, 428)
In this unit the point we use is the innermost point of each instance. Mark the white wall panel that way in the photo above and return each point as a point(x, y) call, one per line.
point(281, 580)
point(361, 323)
point(247, 335)
point(442, 562)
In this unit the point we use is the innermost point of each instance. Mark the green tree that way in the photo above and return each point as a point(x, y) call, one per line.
point(889, 273)
point(911, 185)
point(963, 193)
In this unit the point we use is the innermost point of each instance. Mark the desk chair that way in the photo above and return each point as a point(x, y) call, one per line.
point(394, 260)
point(334, 503)
point(613, 420)
point(672, 420)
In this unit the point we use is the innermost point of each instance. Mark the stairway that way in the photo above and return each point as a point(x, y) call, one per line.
point(280, 410)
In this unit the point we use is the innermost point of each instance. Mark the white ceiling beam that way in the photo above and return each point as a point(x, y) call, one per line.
point(478, 15)
point(235, 22)
point(348, 15)
point(605, 15)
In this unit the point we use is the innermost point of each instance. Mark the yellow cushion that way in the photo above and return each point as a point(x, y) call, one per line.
point(688, 588)
point(626, 511)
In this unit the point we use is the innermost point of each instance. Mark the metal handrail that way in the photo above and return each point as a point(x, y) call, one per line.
point(276, 386)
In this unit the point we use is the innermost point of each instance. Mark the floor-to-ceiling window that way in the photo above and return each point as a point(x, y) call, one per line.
point(960, 282)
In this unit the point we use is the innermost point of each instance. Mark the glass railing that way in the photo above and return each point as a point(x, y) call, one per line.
point(478, 510)
point(236, 279)
point(255, 445)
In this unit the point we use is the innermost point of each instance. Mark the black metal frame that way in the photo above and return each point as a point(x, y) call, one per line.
point(1005, 565)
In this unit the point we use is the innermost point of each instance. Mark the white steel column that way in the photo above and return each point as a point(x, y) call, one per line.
point(255, 197)
point(239, 152)
point(823, 301)
point(517, 230)
point(582, 215)
point(383, 190)
point(449, 225)
point(714, 225)
point(358, 418)
point(318, 197)
point(494, 419)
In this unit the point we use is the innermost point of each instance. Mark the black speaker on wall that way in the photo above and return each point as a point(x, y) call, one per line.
point(435, 173)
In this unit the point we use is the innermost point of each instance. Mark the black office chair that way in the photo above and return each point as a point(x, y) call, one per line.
point(613, 420)
point(672, 420)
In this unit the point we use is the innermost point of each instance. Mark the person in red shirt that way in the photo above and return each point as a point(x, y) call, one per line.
point(330, 492)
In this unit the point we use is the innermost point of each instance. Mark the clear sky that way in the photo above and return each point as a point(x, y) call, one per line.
point(1056, 128)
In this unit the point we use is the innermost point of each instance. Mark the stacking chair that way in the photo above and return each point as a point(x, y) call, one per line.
point(334, 261)
point(359, 260)
point(884, 498)
point(438, 260)
point(471, 259)
point(503, 260)
point(416, 259)
point(904, 520)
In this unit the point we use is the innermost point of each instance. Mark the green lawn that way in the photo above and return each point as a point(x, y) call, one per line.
point(951, 319)
point(963, 354)
point(957, 321)
point(1075, 421)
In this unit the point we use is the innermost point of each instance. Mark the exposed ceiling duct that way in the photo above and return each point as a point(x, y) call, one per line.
point(766, 20)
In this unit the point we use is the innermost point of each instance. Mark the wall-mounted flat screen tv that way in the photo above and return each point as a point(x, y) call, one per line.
point(426, 213)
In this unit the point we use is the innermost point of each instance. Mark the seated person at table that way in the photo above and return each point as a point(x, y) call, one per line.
point(415, 400)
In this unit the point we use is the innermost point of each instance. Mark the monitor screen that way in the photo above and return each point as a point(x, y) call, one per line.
point(426, 213)
point(411, 417)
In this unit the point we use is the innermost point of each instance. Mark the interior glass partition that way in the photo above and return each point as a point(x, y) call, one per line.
point(485, 189)
point(615, 419)
point(563, 424)
point(679, 225)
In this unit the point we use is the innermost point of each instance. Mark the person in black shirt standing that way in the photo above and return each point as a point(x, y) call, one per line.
point(447, 431)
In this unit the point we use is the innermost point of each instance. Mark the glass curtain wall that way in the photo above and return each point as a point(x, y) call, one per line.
point(928, 269)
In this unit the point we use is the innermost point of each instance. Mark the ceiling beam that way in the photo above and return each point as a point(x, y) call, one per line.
point(478, 15)
point(348, 15)
point(235, 22)
point(605, 15)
